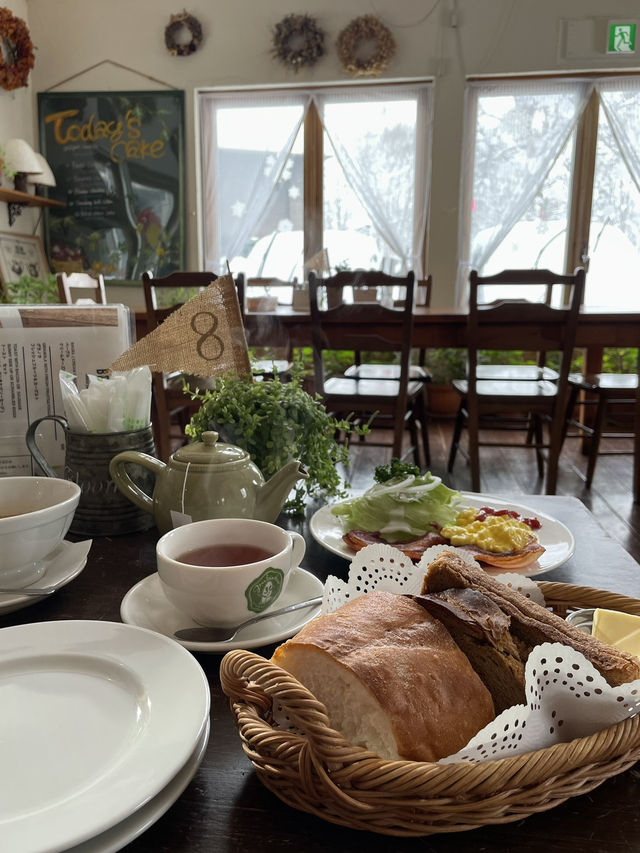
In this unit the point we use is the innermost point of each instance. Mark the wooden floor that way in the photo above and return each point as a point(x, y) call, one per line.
point(513, 471)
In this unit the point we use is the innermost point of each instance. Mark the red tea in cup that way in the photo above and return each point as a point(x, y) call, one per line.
point(221, 554)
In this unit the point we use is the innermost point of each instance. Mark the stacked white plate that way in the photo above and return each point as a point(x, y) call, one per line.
point(102, 727)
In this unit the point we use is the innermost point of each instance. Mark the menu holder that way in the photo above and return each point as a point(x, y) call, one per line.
point(36, 343)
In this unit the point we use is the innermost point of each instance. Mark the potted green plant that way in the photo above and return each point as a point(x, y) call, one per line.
point(444, 364)
point(30, 290)
point(275, 422)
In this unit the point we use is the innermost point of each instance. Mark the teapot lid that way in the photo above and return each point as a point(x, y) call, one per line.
point(209, 451)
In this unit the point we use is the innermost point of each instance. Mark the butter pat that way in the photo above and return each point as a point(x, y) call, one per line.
point(621, 630)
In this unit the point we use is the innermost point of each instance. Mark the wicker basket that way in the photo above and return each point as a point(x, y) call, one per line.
point(320, 772)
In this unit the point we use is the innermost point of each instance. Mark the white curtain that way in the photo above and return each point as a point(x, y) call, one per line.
point(504, 170)
point(619, 99)
point(393, 189)
point(241, 209)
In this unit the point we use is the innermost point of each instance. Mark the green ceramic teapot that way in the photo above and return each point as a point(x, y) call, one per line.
point(206, 479)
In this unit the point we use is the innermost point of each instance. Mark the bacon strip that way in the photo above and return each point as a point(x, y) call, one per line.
point(358, 539)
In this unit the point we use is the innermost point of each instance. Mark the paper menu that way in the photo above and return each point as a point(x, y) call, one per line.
point(36, 342)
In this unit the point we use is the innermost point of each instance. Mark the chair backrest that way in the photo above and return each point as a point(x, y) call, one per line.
point(176, 281)
point(81, 285)
point(424, 289)
point(361, 326)
point(540, 280)
point(515, 323)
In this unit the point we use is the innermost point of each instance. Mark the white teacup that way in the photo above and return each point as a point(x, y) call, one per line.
point(35, 514)
point(254, 561)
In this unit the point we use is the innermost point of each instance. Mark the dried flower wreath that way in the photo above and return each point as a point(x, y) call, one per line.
point(365, 28)
point(298, 41)
point(176, 24)
point(17, 47)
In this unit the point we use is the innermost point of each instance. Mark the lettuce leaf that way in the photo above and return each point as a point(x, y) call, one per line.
point(402, 508)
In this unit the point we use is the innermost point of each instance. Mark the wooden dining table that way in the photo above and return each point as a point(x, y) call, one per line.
point(447, 327)
point(226, 808)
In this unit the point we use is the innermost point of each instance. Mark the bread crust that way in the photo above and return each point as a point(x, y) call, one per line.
point(414, 672)
point(530, 624)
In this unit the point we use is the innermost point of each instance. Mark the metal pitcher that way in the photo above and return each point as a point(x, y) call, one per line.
point(103, 510)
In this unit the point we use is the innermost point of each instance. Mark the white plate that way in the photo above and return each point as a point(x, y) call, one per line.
point(557, 539)
point(102, 717)
point(147, 605)
point(115, 838)
point(60, 566)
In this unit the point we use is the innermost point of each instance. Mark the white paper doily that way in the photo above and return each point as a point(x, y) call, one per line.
point(567, 697)
point(384, 567)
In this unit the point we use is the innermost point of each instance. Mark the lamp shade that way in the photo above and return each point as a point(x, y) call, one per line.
point(45, 178)
point(21, 157)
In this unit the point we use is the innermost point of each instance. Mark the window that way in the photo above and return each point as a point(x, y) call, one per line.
point(553, 180)
point(321, 179)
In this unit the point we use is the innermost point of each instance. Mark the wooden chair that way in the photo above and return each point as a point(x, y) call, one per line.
point(518, 324)
point(604, 391)
point(268, 342)
point(369, 370)
point(531, 372)
point(83, 286)
point(170, 404)
point(395, 404)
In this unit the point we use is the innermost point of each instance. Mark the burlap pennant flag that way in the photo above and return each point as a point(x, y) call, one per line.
point(204, 337)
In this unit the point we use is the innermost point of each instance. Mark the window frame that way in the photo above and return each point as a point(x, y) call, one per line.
point(313, 225)
point(583, 170)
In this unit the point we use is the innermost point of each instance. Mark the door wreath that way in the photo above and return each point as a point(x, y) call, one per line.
point(365, 28)
point(16, 53)
point(298, 41)
point(176, 24)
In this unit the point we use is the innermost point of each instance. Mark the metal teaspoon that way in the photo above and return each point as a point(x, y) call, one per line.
point(205, 634)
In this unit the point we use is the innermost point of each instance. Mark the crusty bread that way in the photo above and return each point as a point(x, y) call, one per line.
point(481, 630)
point(391, 677)
point(529, 623)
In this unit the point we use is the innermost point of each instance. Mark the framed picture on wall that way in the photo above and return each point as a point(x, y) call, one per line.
point(22, 254)
point(118, 161)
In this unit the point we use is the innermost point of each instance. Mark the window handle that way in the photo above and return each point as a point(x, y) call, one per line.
point(584, 257)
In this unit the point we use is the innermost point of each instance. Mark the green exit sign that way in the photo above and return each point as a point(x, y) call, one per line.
point(622, 38)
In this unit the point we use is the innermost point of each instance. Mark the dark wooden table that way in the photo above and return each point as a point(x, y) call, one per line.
point(225, 808)
point(447, 327)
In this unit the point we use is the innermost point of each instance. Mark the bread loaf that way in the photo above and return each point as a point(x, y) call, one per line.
point(481, 630)
point(529, 625)
point(391, 677)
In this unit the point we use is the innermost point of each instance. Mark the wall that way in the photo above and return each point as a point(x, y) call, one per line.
point(490, 37)
point(16, 120)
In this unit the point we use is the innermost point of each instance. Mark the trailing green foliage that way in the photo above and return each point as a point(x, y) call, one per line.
point(275, 422)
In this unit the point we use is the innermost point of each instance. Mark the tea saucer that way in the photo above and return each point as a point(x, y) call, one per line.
point(146, 606)
point(62, 565)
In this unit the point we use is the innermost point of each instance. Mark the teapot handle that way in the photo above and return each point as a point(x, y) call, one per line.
point(120, 476)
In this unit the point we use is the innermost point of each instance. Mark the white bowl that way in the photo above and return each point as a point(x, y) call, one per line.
point(35, 515)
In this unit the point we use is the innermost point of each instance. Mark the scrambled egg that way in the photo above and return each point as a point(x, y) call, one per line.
point(497, 533)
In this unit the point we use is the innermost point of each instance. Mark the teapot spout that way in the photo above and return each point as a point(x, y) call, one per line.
point(272, 494)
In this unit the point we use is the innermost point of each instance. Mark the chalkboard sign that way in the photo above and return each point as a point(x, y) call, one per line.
point(118, 161)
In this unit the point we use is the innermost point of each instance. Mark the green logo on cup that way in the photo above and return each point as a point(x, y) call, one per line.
point(264, 590)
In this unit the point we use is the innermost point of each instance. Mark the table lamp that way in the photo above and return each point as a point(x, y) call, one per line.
point(23, 160)
point(42, 179)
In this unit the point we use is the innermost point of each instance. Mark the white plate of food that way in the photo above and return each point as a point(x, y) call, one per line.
point(557, 540)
